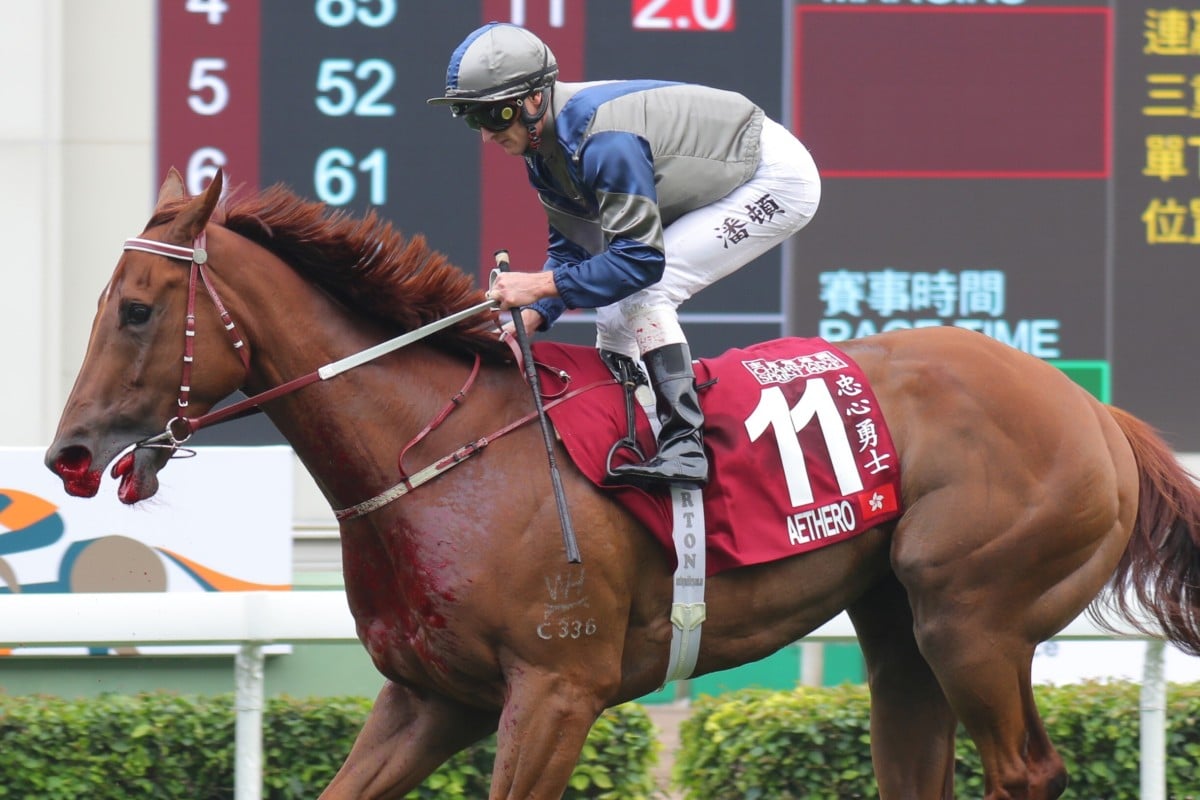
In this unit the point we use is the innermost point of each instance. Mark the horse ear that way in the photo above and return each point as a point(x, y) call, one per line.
point(194, 216)
point(172, 189)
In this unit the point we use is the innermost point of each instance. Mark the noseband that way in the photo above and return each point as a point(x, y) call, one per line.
point(180, 428)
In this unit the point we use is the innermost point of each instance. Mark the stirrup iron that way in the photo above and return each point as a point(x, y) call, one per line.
point(630, 376)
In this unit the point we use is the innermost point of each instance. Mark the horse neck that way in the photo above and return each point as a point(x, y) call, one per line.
point(347, 430)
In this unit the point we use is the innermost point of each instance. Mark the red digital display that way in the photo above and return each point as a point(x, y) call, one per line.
point(208, 91)
point(683, 15)
point(961, 93)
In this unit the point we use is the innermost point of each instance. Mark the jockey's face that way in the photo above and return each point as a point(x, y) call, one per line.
point(515, 138)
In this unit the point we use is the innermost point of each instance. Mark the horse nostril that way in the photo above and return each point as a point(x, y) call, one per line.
point(73, 460)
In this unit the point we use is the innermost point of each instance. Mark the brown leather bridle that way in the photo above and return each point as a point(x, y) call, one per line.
point(180, 428)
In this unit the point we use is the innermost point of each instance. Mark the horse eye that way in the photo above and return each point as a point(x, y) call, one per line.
point(135, 314)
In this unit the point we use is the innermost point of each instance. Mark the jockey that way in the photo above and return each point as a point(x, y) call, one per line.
point(652, 189)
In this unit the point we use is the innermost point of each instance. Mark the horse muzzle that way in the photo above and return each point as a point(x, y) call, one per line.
point(81, 471)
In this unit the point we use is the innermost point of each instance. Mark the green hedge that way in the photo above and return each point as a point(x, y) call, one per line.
point(161, 746)
point(814, 744)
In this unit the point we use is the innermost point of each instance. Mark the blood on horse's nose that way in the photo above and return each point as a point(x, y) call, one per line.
point(73, 465)
point(72, 461)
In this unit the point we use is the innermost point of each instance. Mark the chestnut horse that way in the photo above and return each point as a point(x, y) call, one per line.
point(1026, 503)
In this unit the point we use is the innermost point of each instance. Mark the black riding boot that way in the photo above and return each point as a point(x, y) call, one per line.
point(680, 459)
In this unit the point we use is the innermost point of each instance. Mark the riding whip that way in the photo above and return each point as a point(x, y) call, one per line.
point(560, 497)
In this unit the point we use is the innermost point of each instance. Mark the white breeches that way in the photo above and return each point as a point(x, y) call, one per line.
point(709, 243)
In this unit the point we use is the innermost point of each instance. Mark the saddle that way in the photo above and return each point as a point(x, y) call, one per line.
point(800, 455)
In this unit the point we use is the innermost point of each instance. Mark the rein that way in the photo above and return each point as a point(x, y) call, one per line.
point(180, 429)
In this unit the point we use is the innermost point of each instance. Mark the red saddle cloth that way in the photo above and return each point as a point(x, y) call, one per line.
point(800, 456)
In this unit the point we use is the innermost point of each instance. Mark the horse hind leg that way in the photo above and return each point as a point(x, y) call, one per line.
point(912, 725)
point(991, 692)
point(981, 651)
point(977, 625)
point(1047, 772)
point(985, 587)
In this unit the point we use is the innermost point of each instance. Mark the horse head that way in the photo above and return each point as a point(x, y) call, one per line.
point(141, 374)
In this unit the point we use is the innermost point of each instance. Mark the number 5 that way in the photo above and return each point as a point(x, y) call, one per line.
point(203, 78)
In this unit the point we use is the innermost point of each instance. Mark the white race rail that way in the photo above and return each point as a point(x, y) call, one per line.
point(249, 619)
point(256, 619)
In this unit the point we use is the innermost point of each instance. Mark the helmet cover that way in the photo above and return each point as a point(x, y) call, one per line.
point(497, 62)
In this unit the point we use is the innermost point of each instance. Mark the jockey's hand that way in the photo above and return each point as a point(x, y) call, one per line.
point(531, 318)
point(512, 289)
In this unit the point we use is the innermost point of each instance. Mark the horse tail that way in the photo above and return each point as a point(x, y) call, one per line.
point(1161, 564)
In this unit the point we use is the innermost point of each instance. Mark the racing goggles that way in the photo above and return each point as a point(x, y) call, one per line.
point(494, 117)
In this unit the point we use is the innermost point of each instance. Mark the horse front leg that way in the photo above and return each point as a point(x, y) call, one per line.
point(542, 732)
point(407, 735)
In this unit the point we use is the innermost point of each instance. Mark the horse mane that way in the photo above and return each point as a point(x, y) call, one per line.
point(364, 262)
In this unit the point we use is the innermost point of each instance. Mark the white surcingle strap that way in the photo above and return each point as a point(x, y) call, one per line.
point(687, 606)
point(688, 610)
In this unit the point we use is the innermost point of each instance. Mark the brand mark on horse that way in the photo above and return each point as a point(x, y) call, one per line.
point(557, 621)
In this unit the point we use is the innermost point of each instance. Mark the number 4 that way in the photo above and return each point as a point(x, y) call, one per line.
point(214, 9)
point(772, 412)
